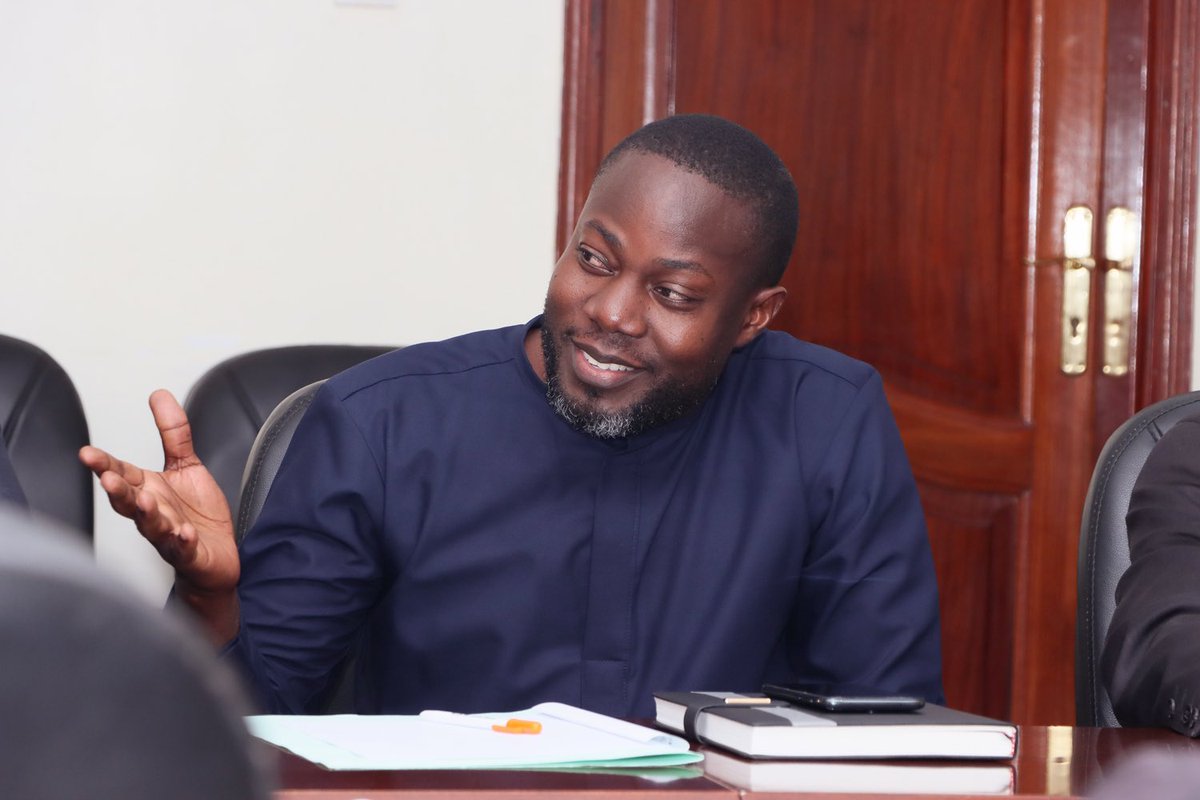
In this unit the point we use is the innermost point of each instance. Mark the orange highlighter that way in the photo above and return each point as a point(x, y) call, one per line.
point(513, 725)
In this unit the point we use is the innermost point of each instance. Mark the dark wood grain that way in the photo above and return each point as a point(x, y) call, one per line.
point(1068, 49)
point(1169, 233)
point(975, 536)
point(582, 75)
point(1124, 169)
point(890, 116)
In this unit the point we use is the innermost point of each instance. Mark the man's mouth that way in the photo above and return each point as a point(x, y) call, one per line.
point(603, 371)
point(606, 365)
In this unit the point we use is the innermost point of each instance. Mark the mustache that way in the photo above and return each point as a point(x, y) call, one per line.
point(613, 342)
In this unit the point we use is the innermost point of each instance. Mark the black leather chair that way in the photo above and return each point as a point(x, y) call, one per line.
point(103, 696)
point(1104, 545)
point(229, 404)
point(266, 454)
point(43, 424)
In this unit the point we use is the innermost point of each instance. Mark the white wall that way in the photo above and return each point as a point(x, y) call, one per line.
point(180, 182)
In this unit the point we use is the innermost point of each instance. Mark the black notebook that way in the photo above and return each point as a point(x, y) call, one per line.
point(779, 730)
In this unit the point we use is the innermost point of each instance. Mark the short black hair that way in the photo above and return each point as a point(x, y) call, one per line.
point(739, 163)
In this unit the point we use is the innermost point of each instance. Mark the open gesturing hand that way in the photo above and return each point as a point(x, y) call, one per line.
point(180, 510)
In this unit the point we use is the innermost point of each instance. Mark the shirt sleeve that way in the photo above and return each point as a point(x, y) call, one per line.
point(867, 609)
point(311, 566)
point(1151, 659)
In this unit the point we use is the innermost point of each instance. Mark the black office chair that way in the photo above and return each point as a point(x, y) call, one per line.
point(43, 424)
point(103, 696)
point(229, 404)
point(1104, 545)
point(266, 454)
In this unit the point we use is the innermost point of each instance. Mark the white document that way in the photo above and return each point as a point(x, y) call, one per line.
point(570, 737)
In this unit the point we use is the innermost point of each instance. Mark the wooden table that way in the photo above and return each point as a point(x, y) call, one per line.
point(1051, 762)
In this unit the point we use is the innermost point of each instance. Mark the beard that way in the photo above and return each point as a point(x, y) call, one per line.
point(666, 400)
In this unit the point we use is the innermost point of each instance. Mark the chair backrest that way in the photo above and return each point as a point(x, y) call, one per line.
point(230, 403)
point(266, 454)
point(103, 695)
point(1104, 544)
point(42, 421)
point(261, 467)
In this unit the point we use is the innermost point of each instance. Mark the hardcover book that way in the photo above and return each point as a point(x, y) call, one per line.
point(753, 726)
point(897, 777)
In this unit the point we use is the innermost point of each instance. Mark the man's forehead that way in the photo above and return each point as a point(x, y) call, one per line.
point(664, 186)
point(648, 207)
point(635, 165)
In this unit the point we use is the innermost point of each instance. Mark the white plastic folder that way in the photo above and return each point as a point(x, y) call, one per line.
point(570, 737)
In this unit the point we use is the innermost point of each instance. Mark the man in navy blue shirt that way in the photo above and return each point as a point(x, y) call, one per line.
point(641, 489)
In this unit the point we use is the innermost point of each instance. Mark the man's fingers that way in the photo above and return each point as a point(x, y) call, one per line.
point(141, 507)
point(121, 496)
point(95, 459)
point(173, 428)
point(100, 462)
point(175, 541)
point(151, 522)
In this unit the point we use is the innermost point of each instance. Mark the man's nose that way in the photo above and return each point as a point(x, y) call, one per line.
point(619, 306)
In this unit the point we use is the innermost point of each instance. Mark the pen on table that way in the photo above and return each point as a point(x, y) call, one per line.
point(748, 701)
point(513, 725)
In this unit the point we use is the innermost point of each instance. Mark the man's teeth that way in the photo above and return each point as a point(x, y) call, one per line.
point(602, 365)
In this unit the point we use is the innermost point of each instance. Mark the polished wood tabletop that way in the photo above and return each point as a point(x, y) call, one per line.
point(1051, 762)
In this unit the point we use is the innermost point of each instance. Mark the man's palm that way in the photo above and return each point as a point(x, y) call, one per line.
point(181, 510)
point(194, 499)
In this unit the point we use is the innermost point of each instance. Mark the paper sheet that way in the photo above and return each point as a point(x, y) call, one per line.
point(570, 737)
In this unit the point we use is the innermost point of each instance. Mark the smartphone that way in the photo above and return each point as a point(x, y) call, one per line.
point(824, 698)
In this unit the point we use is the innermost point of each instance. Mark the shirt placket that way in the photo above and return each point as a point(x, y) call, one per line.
point(608, 625)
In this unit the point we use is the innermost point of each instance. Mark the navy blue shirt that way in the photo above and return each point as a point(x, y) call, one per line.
point(492, 557)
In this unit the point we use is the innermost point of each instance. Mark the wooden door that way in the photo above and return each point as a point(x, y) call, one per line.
point(937, 147)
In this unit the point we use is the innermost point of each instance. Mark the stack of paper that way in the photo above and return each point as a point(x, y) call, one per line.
point(570, 737)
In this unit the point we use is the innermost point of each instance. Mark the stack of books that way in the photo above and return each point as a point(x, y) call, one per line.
point(781, 747)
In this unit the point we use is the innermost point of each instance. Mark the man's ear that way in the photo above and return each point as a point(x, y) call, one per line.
point(764, 305)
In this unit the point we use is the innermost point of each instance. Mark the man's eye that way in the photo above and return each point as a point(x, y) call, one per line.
point(674, 295)
point(590, 258)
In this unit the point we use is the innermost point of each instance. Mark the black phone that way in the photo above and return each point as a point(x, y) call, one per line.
point(841, 700)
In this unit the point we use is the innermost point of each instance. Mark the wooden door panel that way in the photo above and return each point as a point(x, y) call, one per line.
point(891, 116)
point(963, 449)
point(976, 538)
